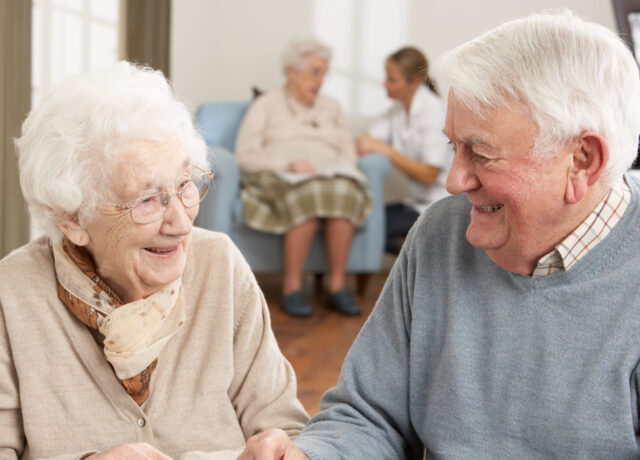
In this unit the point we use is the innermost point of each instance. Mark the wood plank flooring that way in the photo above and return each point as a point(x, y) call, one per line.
point(316, 346)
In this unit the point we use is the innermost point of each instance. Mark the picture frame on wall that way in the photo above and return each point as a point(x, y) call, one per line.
point(627, 14)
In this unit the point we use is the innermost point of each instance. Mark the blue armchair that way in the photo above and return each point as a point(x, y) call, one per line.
point(221, 210)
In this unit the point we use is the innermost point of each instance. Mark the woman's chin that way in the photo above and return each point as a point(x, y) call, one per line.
point(156, 275)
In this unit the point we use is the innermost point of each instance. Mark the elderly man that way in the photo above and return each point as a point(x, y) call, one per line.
point(509, 327)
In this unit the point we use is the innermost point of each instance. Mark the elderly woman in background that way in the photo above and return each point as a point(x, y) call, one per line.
point(299, 166)
point(124, 331)
point(410, 135)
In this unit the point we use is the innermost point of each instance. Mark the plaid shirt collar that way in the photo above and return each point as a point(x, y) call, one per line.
point(589, 233)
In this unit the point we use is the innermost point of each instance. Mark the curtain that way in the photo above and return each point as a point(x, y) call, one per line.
point(146, 27)
point(15, 100)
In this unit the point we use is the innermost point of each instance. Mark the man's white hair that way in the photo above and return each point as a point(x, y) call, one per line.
point(297, 53)
point(70, 143)
point(571, 74)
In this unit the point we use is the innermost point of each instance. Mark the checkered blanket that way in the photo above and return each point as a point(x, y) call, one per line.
point(273, 205)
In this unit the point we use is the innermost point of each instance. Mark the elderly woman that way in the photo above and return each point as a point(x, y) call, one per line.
point(124, 331)
point(299, 164)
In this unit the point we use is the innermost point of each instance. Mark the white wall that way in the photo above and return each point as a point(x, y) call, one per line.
point(220, 48)
point(439, 26)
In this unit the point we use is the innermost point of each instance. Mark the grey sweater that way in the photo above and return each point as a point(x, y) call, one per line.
point(467, 360)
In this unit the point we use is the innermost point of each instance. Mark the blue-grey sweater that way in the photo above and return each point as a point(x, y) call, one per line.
point(467, 360)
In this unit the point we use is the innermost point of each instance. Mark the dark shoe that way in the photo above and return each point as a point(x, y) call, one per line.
point(295, 304)
point(343, 302)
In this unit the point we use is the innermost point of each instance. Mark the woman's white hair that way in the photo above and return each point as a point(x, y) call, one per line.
point(297, 53)
point(571, 74)
point(70, 143)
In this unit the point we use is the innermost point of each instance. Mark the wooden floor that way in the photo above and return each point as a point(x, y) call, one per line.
point(316, 346)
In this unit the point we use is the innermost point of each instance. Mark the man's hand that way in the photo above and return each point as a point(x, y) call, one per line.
point(301, 166)
point(271, 445)
point(136, 451)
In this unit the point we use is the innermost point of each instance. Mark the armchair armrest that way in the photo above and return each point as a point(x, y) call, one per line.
point(368, 247)
point(375, 167)
point(216, 210)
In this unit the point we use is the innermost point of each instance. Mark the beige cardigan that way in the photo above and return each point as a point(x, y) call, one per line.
point(278, 130)
point(219, 380)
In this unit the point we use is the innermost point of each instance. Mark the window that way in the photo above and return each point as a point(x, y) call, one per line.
point(71, 36)
point(361, 33)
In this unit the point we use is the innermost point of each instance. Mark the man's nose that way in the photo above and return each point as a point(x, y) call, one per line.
point(462, 177)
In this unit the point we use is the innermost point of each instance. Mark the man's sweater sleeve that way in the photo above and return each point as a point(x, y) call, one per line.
point(367, 414)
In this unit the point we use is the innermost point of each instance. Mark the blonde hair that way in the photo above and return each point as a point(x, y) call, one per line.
point(413, 64)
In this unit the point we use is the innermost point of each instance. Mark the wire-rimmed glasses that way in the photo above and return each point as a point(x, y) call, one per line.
point(150, 208)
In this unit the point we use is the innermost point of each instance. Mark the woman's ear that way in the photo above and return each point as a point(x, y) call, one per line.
point(415, 83)
point(290, 72)
point(590, 156)
point(70, 226)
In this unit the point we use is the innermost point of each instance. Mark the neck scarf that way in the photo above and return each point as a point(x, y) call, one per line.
point(134, 333)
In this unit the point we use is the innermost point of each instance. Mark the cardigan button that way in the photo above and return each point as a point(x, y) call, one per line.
point(141, 422)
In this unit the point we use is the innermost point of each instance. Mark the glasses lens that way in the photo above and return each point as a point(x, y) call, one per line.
point(147, 209)
point(203, 185)
point(150, 208)
point(195, 190)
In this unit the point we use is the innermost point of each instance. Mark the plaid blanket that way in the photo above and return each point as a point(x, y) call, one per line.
point(273, 205)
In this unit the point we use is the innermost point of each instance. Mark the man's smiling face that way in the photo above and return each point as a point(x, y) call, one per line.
point(517, 197)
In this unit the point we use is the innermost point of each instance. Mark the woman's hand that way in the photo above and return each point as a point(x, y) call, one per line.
point(301, 166)
point(367, 144)
point(135, 451)
point(271, 445)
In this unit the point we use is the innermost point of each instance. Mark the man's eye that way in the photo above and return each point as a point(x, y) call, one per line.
point(477, 156)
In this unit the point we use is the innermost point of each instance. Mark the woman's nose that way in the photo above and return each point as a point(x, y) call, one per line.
point(176, 216)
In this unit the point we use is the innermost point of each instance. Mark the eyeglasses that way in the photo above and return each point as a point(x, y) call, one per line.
point(190, 192)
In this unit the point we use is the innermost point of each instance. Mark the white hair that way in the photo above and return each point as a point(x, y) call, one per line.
point(572, 75)
point(297, 53)
point(70, 143)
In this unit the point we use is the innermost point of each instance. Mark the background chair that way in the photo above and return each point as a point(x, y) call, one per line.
point(221, 210)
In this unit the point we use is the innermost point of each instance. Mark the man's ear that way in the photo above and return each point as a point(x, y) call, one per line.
point(590, 156)
point(70, 226)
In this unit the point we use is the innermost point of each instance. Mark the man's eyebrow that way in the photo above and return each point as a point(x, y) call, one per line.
point(476, 140)
point(470, 140)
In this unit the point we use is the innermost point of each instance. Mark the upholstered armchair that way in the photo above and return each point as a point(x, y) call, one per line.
point(221, 210)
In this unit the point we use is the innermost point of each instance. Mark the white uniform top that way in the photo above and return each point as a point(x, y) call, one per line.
point(418, 135)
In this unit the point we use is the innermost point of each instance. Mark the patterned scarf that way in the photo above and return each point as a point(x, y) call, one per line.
point(134, 333)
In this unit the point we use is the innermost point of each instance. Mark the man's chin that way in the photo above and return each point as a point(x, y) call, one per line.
point(484, 240)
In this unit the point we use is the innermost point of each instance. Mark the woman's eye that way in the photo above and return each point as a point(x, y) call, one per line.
point(149, 199)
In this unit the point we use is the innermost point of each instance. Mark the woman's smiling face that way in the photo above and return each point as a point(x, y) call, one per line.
point(136, 260)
